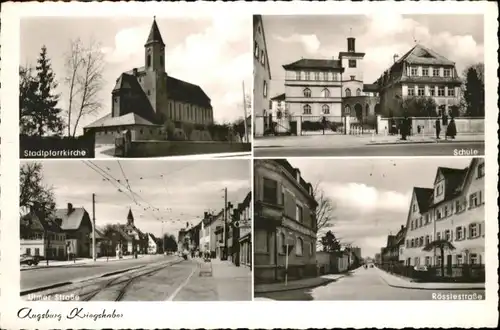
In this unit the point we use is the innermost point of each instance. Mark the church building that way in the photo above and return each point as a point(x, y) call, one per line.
point(145, 98)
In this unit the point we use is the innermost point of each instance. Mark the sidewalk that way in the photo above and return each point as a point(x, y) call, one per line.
point(405, 283)
point(78, 262)
point(343, 141)
point(305, 283)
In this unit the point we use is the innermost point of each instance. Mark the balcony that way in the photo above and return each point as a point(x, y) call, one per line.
point(268, 214)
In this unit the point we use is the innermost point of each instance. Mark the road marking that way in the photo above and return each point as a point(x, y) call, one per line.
point(176, 292)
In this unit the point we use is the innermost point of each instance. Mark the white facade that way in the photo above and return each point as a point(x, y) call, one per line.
point(459, 220)
point(152, 245)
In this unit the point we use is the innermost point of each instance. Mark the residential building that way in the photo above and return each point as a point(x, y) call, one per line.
point(217, 243)
point(280, 116)
point(378, 258)
point(184, 239)
point(123, 243)
point(205, 233)
point(452, 210)
point(356, 253)
point(103, 244)
point(419, 72)
point(42, 236)
point(284, 222)
point(145, 98)
point(139, 240)
point(76, 223)
point(239, 233)
point(261, 78)
point(153, 246)
point(393, 249)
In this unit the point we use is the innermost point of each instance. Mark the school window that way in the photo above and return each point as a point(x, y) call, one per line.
point(297, 75)
point(432, 91)
point(421, 91)
point(459, 233)
point(307, 92)
point(270, 191)
point(414, 71)
point(407, 243)
point(307, 75)
point(427, 239)
point(480, 170)
point(441, 91)
point(352, 63)
point(447, 235)
point(425, 72)
point(37, 251)
point(307, 109)
point(325, 93)
point(326, 109)
point(446, 211)
point(334, 76)
point(473, 259)
point(316, 75)
point(451, 91)
point(435, 72)
point(411, 91)
point(447, 73)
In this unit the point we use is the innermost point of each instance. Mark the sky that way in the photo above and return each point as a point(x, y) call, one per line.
point(459, 38)
point(175, 191)
point(212, 53)
point(371, 196)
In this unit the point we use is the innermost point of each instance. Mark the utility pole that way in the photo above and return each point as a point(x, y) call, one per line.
point(93, 228)
point(245, 113)
point(224, 234)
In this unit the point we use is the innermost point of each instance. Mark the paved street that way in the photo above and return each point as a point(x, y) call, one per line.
point(407, 149)
point(175, 280)
point(361, 284)
point(41, 277)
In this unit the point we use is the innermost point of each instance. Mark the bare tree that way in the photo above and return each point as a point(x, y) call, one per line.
point(84, 66)
point(325, 210)
point(32, 192)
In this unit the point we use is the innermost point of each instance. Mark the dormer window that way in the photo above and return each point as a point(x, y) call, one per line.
point(297, 176)
point(439, 190)
point(480, 170)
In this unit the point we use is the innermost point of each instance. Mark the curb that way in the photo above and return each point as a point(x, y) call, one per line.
point(431, 289)
point(299, 288)
point(423, 142)
point(70, 265)
point(85, 279)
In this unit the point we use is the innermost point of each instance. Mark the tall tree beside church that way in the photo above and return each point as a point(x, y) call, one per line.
point(27, 101)
point(47, 116)
point(474, 90)
point(84, 79)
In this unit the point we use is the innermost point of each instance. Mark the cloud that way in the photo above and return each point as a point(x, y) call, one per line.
point(366, 198)
point(310, 42)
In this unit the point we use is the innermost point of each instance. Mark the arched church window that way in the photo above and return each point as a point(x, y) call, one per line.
point(307, 92)
point(347, 92)
point(307, 109)
point(148, 61)
point(358, 92)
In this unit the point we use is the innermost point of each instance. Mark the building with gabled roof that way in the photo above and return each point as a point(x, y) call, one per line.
point(453, 210)
point(154, 97)
point(419, 72)
point(76, 223)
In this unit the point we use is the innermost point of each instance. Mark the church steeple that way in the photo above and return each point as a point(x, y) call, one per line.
point(154, 50)
point(130, 217)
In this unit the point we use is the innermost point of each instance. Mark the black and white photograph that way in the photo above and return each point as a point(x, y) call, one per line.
point(134, 87)
point(108, 230)
point(384, 84)
point(334, 229)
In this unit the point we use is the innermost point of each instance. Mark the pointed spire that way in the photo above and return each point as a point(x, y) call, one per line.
point(154, 34)
point(130, 217)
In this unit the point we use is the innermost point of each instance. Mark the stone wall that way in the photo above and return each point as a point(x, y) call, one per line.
point(183, 148)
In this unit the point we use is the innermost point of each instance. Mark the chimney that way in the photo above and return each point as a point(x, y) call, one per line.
point(135, 72)
point(70, 208)
point(297, 174)
point(351, 44)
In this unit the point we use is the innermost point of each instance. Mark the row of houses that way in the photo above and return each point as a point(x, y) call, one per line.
point(225, 235)
point(448, 216)
point(67, 233)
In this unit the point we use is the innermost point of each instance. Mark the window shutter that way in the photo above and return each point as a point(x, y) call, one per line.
point(469, 231)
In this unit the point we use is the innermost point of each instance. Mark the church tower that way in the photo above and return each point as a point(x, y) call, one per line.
point(155, 80)
point(130, 218)
point(352, 77)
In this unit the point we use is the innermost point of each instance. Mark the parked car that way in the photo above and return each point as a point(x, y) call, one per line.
point(29, 260)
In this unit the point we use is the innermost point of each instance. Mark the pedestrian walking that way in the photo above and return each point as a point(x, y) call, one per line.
point(437, 126)
point(451, 130)
point(404, 128)
point(323, 124)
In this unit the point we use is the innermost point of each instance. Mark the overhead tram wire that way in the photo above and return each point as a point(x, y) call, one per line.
point(126, 180)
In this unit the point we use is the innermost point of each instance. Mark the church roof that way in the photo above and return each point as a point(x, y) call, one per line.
point(309, 63)
point(179, 90)
point(130, 216)
point(125, 120)
point(154, 34)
